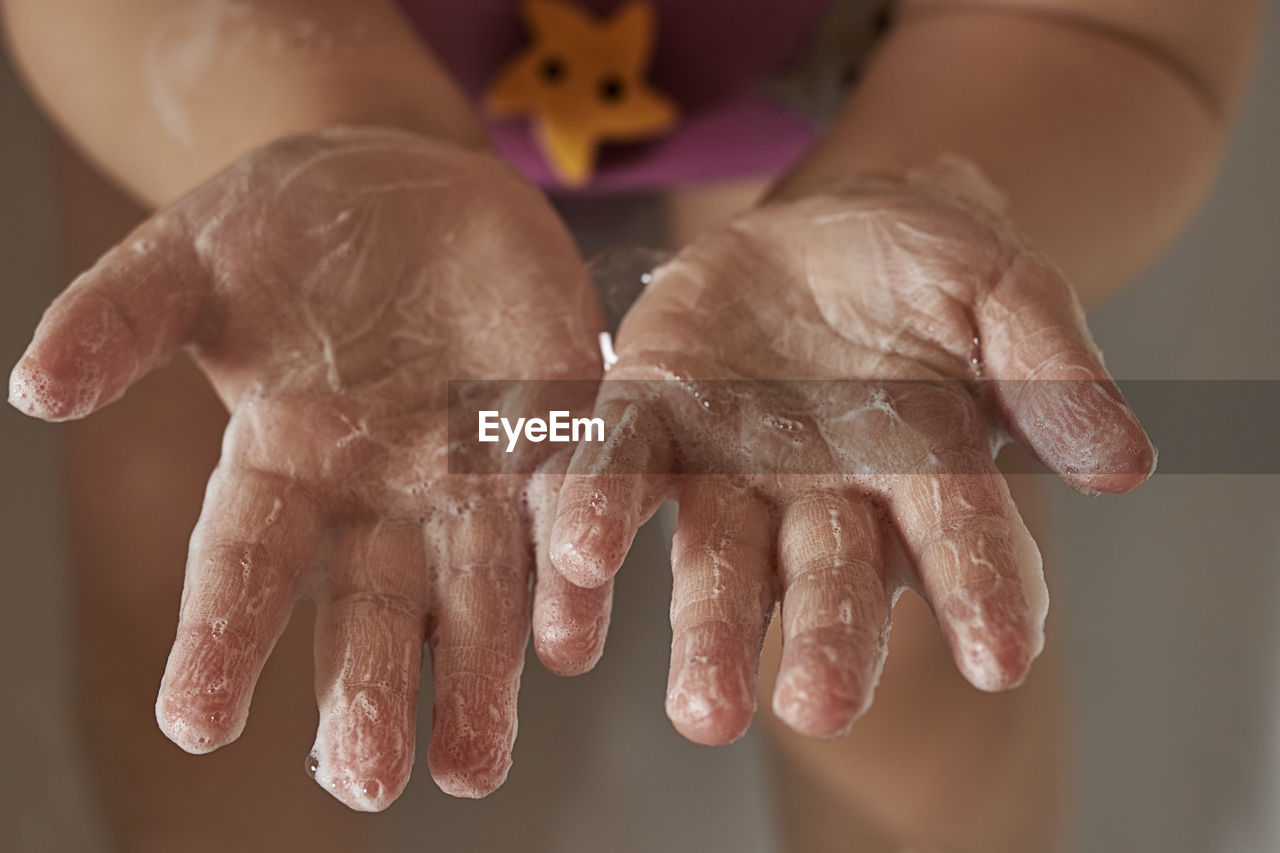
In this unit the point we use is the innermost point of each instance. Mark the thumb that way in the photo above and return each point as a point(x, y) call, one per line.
point(113, 325)
point(1051, 383)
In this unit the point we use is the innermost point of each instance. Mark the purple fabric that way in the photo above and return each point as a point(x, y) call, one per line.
point(709, 56)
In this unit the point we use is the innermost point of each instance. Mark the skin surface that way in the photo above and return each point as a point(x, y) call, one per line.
point(887, 282)
point(1102, 122)
point(162, 94)
point(333, 478)
point(134, 477)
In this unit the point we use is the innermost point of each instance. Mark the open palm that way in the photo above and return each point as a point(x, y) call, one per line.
point(810, 383)
point(329, 285)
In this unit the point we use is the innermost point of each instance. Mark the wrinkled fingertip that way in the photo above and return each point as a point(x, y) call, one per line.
point(20, 389)
point(817, 718)
point(711, 684)
point(589, 541)
point(1121, 476)
point(1106, 484)
point(469, 754)
point(39, 393)
point(711, 700)
point(469, 786)
point(199, 724)
point(365, 766)
point(1088, 435)
point(994, 666)
point(819, 705)
point(362, 793)
point(568, 650)
point(706, 720)
point(582, 563)
point(465, 779)
point(993, 635)
point(570, 624)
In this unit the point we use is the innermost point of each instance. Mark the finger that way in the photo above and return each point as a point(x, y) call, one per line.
point(721, 600)
point(370, 627)
point(1053, 386)
point(254, 542)
point(478, 626)
point(979, 569)
point(569, 622)
point(612, 488)
point(112, 326)
point(835, 613)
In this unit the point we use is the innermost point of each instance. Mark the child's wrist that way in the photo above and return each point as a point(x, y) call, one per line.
point(348, 103)
point(949, 177)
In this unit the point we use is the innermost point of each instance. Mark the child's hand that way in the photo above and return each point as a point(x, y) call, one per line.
point(329, 285)
point(886, 283)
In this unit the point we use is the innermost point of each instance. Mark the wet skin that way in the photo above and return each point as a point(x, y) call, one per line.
point(328, 287)
point(888, 283)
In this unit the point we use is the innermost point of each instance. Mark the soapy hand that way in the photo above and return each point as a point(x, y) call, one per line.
point(823, 386)
point(328, 286)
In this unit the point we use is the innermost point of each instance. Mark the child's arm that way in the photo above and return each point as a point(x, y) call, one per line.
point(1101, 120)
point(163, 93)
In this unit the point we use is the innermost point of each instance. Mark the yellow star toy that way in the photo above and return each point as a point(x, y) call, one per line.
point(581, 82)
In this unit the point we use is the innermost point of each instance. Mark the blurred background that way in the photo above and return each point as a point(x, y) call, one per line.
point(1168, 599)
